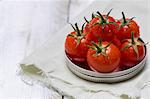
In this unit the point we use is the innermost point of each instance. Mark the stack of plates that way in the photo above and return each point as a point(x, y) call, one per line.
point(106, 77)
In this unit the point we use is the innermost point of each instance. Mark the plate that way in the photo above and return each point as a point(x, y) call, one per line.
point(106, 77)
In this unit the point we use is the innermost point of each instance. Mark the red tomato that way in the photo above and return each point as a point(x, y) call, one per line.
point(116, 41)
point(127, 26)
point(104, 31)
point(132, 52)
point(76, 45)
point(102, 26)
point(104, 57)
point(87, 30)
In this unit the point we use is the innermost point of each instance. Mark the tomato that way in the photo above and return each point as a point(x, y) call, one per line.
point(132, 52)
point(76, 45)
point(103, 57)
point(87, 30)
point(127, 26)
point(116, 41)
point(91, 47)
point(104, 30)
point(101, 26)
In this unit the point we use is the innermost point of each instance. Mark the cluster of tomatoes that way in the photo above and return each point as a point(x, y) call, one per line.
point(106, 43)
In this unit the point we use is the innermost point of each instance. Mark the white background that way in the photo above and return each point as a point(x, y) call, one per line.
point(24, 25)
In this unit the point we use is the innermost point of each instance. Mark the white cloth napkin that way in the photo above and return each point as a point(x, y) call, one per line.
point(47, 63)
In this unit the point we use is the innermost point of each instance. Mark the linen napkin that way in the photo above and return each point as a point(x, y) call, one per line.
point(47, 64)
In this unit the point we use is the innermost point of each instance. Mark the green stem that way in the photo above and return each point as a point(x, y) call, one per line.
point(103, 20)
point(132, 18)
point(124, 18)
point(109, 12)
point(86, 20)
point(82, 27)
point(132, 38)
point(99, 50)
point(77, 30)
point(72, 27)
point(108, 45)
point(93, 16)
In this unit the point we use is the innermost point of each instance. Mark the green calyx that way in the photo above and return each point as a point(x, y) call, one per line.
point(125, 21)
point(124, 18)
point(78, 33)
point(93, 16)
point(99, 48)
point(86, 20)
point(133, 42)
point(132, 39)
point(77, 30)
point(103, 20)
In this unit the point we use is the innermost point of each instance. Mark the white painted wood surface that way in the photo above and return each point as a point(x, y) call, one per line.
point(24, 25)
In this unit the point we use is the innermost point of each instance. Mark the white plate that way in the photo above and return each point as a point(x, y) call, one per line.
point(96, 74)
point(106, 79)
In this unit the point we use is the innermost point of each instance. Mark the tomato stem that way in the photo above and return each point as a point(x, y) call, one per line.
point(86, 20)
point(72, 27)
point(132, 18)
point(77, 30)
point(132, 38)
point(102, 18)
point(99, 50)
point(93, 16)
point(83, 27)
point(108, 45)
point(109, 12)
point(124, 18)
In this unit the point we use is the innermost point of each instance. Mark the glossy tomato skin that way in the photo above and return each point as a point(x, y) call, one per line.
point(107, 32)
point(125, 31)
point(116, 41)
point(76, 52)
point(88, 28)
point(96, 31)
point(129, 57)
point(102, 63)
point(89, 36)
